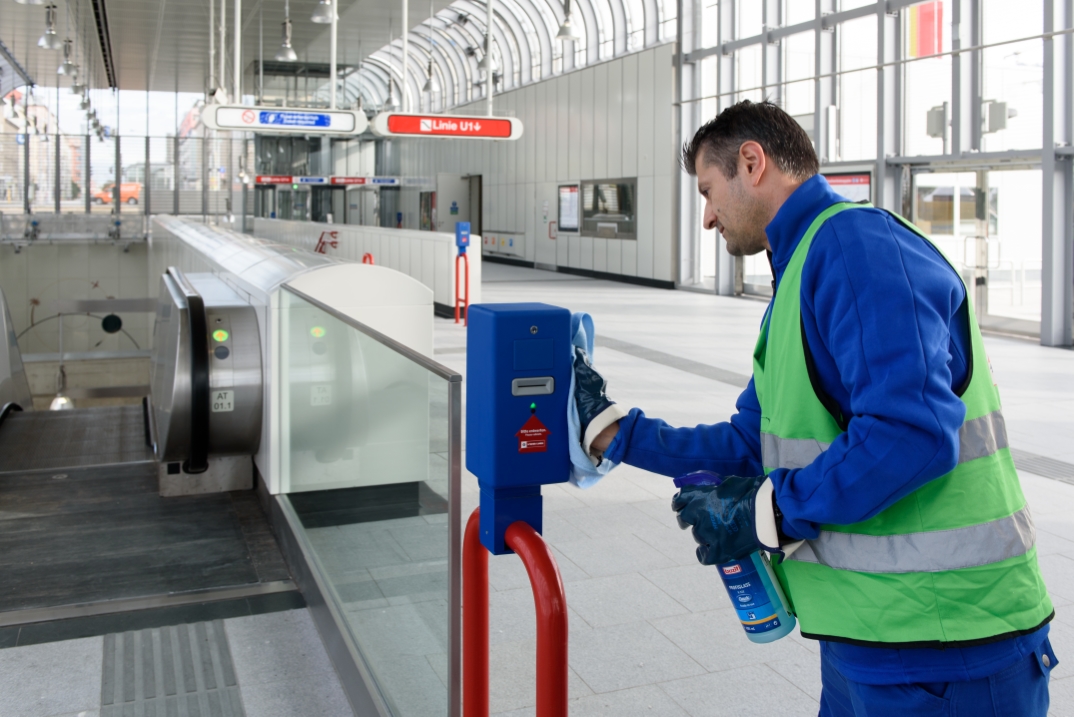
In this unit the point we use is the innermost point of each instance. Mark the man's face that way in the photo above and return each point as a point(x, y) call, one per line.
point(732, 208)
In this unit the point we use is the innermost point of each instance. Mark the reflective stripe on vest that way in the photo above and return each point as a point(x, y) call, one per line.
point(977, 438)
point(927, 552)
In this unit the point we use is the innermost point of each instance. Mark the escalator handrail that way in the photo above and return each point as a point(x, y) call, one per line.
point(198, 460)
point(8, 408)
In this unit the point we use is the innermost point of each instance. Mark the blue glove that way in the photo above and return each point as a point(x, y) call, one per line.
point(731, 519)
point(595, 410)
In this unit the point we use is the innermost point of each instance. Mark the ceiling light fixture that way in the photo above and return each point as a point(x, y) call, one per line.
point(67, 67)
point(85, 103)
point(324, 14)
point(429, 82)
point(30, 2)
point(567, 31)
point(286, 53)
point(50, 40)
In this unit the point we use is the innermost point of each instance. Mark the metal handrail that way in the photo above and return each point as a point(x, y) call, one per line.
point(7, 409)
point(400, 348)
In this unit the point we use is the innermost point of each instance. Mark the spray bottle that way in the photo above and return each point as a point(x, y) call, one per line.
point(751, 584)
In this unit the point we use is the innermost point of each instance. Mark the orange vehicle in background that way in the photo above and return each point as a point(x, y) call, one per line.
point(129, 193)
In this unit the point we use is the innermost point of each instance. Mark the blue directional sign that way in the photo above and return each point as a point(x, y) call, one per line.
point(312, 180)
point(295, 119)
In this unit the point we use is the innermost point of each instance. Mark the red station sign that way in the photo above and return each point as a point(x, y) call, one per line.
point(348, 180)
point(273, 179)
point(391, 124)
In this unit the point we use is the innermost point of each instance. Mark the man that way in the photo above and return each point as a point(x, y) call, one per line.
point(871, 431)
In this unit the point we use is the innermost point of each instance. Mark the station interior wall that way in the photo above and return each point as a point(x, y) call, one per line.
point(606, 121)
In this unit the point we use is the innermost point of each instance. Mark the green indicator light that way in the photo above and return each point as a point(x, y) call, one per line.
point(220, 335)
point(533, 406)
point(294, 186)
point(317, 332)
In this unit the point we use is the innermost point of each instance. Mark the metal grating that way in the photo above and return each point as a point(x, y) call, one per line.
point(51, 440)
point(1043, 466)
point(177, 671)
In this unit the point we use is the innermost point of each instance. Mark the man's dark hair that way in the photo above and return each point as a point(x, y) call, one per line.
point(782, 138)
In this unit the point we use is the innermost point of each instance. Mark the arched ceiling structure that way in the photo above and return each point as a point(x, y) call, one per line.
point(524, 49)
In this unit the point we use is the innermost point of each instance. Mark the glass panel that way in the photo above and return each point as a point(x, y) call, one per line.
point(102, 173)
point(750, 14)
point(857, 115)
point(1013, 100)
point(1014, 244)
point(800, 11)
point(11, 172)
point(800, 65)
point(365, 463)
point(927, 85)
point(748, 68)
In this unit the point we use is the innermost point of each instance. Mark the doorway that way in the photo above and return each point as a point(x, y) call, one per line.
point(328, 204)
point(988, 223)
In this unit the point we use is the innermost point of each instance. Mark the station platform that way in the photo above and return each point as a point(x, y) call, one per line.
point(650, 630)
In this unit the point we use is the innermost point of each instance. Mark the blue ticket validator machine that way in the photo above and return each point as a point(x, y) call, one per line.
point(518, 376)
point(462, 236)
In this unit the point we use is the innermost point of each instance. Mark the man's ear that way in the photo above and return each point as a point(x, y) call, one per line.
point(752, 161)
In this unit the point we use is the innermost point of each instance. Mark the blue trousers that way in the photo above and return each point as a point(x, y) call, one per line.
point(1020, 690)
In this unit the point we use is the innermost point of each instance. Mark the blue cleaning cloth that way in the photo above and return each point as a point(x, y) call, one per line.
point(584, 473)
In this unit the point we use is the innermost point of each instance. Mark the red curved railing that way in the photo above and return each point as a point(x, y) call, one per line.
point(550, 601)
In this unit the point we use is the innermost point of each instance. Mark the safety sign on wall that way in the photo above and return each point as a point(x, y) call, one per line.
point(393, 124)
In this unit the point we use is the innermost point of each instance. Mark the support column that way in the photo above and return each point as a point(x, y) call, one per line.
point(148, 186)
point(175, 175)
point(772, 52)
point(56, 182)
point(725, 87)
point(116, 195)
point(87, 143)
point(888, 49)
point(965, 77)
point(686, 254)
point(1057, 247)
point(825, 111)
point(26, 153)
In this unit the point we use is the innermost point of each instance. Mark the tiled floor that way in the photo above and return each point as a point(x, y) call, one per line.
point(277, 660)
point(651, 630)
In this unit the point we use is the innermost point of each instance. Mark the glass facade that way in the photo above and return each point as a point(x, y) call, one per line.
point(952, 112)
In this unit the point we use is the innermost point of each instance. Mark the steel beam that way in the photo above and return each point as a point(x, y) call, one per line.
point(825, 112)
point(888, 111)
point(725, 87)
point(1057, 226)
point(772, 52)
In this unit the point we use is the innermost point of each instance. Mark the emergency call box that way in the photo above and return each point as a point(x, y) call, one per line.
point(518, 377)
point(462, 235)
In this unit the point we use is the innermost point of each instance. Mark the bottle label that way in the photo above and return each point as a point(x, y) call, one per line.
point(755, 609)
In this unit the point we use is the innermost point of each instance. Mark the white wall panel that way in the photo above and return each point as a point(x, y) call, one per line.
point(615, 119)
point(615, 251)
point(600, 254)
point(662, 234)
point(574, 252)
point(630, 116)
point(646, 113)
point(586, 259)
point(663, 150)
point(540, 136)
point(588, 118)
point(575, 124)
point(629, 258)
point(601, 120)
point(644, 251)
point(561, 100)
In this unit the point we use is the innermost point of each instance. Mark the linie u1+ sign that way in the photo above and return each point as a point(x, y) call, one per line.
point(394, 124)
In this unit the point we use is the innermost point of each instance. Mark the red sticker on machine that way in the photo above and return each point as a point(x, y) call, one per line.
point(533, 437)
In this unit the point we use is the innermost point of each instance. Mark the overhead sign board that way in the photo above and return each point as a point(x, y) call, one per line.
point(284, 120)
point(348, 180)
point(394, 124)
point(273, 179)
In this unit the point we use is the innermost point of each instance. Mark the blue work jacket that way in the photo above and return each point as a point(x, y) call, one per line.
point(884, 318)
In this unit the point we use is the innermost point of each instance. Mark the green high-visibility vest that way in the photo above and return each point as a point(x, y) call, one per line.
point(953, 563)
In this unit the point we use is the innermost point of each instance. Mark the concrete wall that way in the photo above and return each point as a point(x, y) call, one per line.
point(605, 121)
point(35, 277)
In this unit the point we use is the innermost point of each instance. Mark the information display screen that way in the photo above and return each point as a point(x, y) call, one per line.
point(608, 207)
point(855, 187)
point(568, 208)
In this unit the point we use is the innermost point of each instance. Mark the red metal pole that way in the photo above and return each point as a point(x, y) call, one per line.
point(550, 600)
point(457, 257)
point(475, 621)
point(466, 316)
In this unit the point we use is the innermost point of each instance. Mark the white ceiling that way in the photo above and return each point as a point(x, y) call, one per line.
point(164, 44)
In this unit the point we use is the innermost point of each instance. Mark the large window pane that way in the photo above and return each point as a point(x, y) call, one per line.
point(857, 115)
point(1013, 95)
point(927, 76)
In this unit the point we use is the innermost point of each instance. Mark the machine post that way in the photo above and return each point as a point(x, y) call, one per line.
point(550, 602)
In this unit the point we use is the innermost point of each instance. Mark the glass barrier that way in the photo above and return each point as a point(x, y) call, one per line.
point(370, 466)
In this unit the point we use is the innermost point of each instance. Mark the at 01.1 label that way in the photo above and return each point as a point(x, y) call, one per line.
point(223, 401)
point(321, 394)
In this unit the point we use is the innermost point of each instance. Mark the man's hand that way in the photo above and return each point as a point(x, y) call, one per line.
point(596, 411)
point(730, 520)
point(603, 440)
